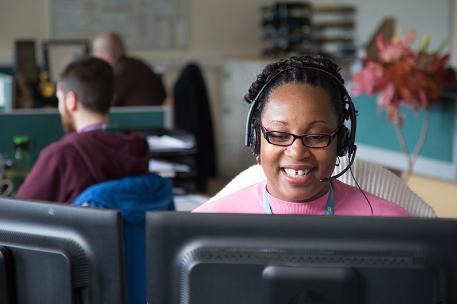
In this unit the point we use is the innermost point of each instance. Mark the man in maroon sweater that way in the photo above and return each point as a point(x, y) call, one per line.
point(135, 82)
point(89, 153)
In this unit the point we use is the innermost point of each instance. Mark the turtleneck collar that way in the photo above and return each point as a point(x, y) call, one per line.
point(278, 206)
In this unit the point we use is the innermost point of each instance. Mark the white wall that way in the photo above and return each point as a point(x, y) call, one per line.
point(220, 27)
point(427, 17)
point(216, 28)
point(454, 33)
point(21, 19)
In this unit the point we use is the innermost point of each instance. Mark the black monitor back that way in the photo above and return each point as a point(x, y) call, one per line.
point(54, 253)
point(229, 258)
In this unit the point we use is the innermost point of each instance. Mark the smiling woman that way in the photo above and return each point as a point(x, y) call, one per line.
point(301, 120)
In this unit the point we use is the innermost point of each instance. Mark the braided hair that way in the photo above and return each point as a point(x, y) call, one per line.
point(316, 71)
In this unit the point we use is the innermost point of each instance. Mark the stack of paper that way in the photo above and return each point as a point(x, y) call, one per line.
point(169, 143)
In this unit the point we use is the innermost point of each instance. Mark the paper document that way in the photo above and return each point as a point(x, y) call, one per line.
point(161, 166)
point(189, 202)
point(165, 142)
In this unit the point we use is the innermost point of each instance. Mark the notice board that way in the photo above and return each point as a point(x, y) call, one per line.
point(144, 24)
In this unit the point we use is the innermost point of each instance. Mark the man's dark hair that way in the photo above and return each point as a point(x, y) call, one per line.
point(92, 80)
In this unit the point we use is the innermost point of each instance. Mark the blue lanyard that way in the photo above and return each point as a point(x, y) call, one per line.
point(328, 209)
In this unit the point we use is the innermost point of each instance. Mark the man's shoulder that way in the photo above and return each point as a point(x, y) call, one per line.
point(109, 138)
point(60, 147)
point(132, 63)
point(63, 143)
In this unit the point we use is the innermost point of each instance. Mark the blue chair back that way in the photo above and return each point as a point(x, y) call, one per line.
point(132, 196)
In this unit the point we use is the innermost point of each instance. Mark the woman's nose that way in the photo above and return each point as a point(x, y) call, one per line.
point(298, 150)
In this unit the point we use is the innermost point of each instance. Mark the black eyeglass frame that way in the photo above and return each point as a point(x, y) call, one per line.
point(266, 134)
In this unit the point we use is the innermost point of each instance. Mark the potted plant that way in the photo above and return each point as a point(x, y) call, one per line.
point(401, 75)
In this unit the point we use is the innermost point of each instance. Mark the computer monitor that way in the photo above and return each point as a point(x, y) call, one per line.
point(54, 253)
point(6, 92)
point(290, 259)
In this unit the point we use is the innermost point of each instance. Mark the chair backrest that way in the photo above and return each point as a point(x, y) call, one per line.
point(132, 196)
point(371, 177)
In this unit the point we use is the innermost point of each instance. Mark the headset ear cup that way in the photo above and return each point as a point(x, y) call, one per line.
point(257, 141)
point(343, 141)
point(254, 141)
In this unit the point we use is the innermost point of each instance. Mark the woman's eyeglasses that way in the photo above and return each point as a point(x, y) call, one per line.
point(285, 139)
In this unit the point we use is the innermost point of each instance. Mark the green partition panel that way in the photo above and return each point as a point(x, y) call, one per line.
point(44, 126)
point(140, 118)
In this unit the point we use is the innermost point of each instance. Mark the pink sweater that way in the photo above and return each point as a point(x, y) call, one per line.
point(348, 201)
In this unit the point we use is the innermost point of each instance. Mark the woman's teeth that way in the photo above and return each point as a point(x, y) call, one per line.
point(292, 172)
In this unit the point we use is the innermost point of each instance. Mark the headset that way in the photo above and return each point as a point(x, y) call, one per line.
point(345, 138)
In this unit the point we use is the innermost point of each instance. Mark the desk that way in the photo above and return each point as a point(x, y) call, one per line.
point(439, 194)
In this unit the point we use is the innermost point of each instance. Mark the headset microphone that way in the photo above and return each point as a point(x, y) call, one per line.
point(351, 161)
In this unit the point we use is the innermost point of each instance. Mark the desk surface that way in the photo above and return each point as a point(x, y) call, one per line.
point(439, 194)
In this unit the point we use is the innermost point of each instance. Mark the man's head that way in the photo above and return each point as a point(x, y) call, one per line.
point(85, 90)
point(109, 47)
